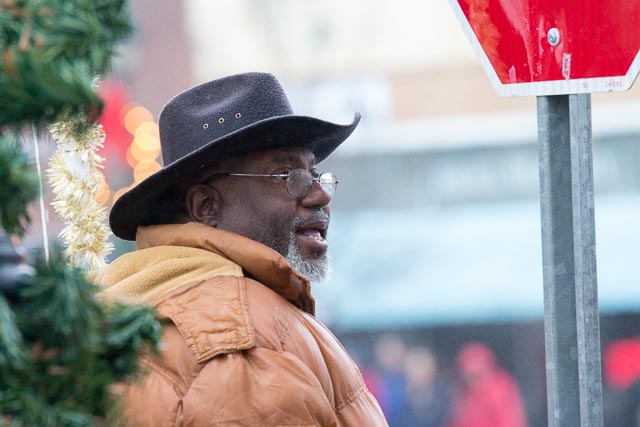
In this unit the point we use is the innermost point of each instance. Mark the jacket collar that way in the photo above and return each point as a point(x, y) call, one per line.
point(256, 260)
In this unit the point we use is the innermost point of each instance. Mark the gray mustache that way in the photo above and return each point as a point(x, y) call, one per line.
point(314, 217)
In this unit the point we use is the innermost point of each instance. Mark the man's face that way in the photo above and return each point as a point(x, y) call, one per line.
point(262, 209)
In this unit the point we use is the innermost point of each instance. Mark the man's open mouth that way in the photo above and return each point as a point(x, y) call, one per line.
point(314, 233)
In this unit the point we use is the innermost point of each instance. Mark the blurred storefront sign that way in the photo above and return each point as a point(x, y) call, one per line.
point(463, 264)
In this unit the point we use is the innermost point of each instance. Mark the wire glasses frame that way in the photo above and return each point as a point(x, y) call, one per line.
point(299, 181)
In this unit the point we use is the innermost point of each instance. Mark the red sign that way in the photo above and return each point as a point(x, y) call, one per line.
point(553, 47)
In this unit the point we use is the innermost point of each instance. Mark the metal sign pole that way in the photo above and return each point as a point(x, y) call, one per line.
point(584, 252)
point(572, 331)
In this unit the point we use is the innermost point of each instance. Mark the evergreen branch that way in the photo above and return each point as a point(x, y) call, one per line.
point(61, 349)
point(64, 303)
point(79, 346)
point(18, 186)
point(129, 327)
point(12, 353)
point(51, 51)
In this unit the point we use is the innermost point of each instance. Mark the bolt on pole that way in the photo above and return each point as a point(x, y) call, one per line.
point(572, 327)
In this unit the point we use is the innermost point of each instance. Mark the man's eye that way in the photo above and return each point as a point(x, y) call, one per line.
point(283, 173)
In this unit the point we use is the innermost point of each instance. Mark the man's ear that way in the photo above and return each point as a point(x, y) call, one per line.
point(203, 204)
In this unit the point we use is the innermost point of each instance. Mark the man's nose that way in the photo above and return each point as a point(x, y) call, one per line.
point(317, 197)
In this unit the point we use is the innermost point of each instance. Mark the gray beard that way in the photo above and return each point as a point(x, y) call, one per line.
point(318, 270)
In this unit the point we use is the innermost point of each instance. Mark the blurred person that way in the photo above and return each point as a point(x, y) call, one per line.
point(428, 398)
point(489, 396)
point(229, 234)
point(390, 350)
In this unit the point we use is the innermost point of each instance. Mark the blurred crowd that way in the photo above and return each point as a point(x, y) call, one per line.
point(414, 391)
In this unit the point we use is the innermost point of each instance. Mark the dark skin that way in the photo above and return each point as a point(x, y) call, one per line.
point(260, 208)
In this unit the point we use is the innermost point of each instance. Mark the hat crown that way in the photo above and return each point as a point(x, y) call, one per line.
point(215, 109)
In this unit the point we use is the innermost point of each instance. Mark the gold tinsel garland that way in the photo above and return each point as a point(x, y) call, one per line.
point(75, 177)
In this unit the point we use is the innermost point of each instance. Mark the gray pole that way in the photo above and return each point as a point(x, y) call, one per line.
point(584, 247)
point(572, 331)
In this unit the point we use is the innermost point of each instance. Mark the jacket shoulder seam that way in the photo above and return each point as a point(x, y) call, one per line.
point(351, 397)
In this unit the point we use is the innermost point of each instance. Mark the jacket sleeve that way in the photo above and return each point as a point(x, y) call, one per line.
point(256, 387)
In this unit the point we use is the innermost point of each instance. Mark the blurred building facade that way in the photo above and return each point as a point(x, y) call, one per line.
point(436, 230)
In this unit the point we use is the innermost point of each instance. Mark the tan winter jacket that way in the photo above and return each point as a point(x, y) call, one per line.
point(241, 346)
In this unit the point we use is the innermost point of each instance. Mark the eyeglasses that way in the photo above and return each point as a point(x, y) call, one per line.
point(299, 181)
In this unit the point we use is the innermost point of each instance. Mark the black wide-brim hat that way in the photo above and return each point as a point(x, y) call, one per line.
point(214, 121)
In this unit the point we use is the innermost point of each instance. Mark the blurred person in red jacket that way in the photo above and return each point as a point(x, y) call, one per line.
point(489, 395)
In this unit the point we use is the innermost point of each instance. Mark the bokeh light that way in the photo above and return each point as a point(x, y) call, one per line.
point(134, 116)
point(102, 196)
point(145, 168)
point(140, 153)
point(132, 161)
point(144, 149)
point(146, 141)
point(148, 128)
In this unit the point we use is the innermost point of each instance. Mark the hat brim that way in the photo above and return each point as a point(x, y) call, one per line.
point(141, 204)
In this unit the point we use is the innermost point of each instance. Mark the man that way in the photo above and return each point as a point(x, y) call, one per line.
point(228, 235)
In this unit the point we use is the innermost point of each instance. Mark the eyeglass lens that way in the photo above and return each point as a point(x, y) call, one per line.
point(300, 181)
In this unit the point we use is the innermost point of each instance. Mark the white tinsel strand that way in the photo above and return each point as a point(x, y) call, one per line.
point(75, 177)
